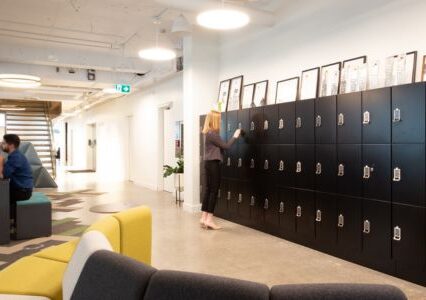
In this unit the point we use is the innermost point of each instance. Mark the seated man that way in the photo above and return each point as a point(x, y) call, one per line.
point(17, 169)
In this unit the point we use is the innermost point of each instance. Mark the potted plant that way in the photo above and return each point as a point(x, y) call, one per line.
point(178, 173)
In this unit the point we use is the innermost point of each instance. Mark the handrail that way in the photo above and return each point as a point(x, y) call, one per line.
point(52, 154)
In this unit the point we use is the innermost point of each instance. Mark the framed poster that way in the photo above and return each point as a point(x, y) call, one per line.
point(260, 92)
point(223, 94)
point(248, 96)
point(374, 69)
point(309, 86)
point(330, 79)
point(355, 61)
point(236, 85)
point(287, 90)
point(424, 68)
point(401, 68)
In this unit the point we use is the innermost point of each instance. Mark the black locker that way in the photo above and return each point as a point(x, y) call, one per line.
point(408, 242)
point(408, 113)
point(268, 159)
point(221, 209)
point(223, 129)
point(349, 229)
point(286, 123)
point(305, 166)
point(325, 168)
point(376, 112)
point(349, 118)
point(231, 123)
point(408, 174)
point(231, 199)
point(244, 125)
point(229, 165)
point(270, 124)
point(325, 222)
point(202, 180)
point(270, 210)
point(253, 162)
point(376, 235)
point(376, 172)
point(243, 204)
point(305, 216)
point(202, 119)
point(304, 123)
point(285, 165)
point(349, 171)
point(256, 206)
point(325, 120)
point(287, 209)
point(243, 161)
point(255, 133)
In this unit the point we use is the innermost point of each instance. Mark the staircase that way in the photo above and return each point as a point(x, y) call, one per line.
point(34, 125)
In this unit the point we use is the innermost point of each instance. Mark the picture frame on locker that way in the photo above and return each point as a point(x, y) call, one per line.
point(248, 96)
point(349, 74)
point(401, 69)
point(309, 84)
point(260, 93)
point(235, 88)
point(287, 90)
point(424, 68)
point(330, 79)
point(223, 94)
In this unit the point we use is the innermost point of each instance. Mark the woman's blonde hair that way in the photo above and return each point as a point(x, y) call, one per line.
point(212, 122)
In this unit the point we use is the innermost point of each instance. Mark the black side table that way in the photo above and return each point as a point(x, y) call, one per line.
point(4, 212)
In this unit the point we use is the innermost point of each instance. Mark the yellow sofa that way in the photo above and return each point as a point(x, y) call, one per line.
point(40, 274)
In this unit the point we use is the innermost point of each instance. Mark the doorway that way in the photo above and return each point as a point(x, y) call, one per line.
point(130, 149)
point(91, 147)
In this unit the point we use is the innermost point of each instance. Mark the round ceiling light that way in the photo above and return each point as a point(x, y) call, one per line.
point(223, 19)
point(157, 53)
point(19, 81)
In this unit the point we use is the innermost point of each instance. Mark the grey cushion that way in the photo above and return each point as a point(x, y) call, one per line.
point(110, 276)
point(336, 292)
point(183, 285)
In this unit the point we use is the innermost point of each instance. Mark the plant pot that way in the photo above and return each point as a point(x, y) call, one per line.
point(179, 182)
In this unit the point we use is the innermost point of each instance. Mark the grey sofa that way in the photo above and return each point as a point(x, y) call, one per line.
point(107, 275)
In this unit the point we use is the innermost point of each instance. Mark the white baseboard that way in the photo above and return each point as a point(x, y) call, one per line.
point(146, 185)
point(192, 208)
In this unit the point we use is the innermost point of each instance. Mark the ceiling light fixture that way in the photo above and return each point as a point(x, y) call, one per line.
point(223, 19)
point(157, 53)
point(110, 91)
point(19, 81)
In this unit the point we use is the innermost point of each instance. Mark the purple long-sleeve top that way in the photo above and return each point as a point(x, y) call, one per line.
point(214, 146)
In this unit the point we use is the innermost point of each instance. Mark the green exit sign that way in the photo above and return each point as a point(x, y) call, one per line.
point(123, 88)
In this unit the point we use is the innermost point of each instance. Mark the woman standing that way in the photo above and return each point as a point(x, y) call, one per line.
point(213, 157)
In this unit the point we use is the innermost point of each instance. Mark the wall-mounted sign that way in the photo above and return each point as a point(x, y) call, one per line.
point(123, 88)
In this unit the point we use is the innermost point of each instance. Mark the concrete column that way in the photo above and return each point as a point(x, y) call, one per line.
point(200, 90)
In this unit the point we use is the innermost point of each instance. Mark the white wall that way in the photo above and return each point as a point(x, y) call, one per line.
point(112, 131)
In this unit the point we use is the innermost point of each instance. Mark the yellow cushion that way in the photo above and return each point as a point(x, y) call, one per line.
point(110, 227)
point(33, 276)
point(60, 253)
point(135, 225)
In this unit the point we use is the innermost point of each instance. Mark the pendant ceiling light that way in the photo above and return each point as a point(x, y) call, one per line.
point(157, 53)
point(223, 19)
point(19, 81)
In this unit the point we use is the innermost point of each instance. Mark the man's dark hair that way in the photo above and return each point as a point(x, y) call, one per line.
point(12, 139)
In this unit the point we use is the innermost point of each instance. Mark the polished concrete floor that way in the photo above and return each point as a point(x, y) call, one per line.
point(235, 251)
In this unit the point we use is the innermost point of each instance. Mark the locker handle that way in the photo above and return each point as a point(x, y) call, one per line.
point(340, 119)
point(228, 197)
point(367, 172)
point(281, 208)
point(341, 221)
point(298, 211)
point(318, 169)
point(251, 126)
point(298, 167)
point(240, 126)
point(252, 163)
point(252, 200)
point(396, 174)
point(266, 205)
point(396, 115)
point(265, 125)
point(318, 121)
point(218, 193)
point(281, 124)
point(228, 162)
point(298, 122)
point(281, 166)
point(229, 127)
point(266, 164)
point(366, 227)
point(240, 163)
point(397, 233)
point(240, 198)
point(341, 170)
point(318, 216)
point(366, 119)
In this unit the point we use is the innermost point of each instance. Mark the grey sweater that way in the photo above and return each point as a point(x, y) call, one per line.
point(214, 146)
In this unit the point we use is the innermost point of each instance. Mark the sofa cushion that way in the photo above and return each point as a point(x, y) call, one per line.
point(169, 285)
point(336, 292)
point(110, 227)
point(33, 276)
point(62, 252)
point(21, 297)
point(108, 275)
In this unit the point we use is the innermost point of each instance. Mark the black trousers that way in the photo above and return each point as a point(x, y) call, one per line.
point(18, 195)
point(212, 180)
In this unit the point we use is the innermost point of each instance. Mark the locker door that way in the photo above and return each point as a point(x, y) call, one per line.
point(255, 127)
point(408, 113)
point(325, 168)
point(408, 242)
point(376, 105)
point(287, 203)
point(325, 222)
point(243, 165)
point(229, 164)
point(232, 199)
point(286, 122)
point(376, 241)
point(256, 207)
point(268, 159)
point(285, 165)
point(325, 120)
point(349, 229)
point(349, 171)
point(408, 174)
point(254, 162)
point(223, 124)
point(305, 126)
point(305, 166)
point(271, 211)
point(270, 124)
point(202, 119)
point(221, 209)
point(243, 204)
point(349, 118)
point(231, 123)
point(202, 180)
point(305, 216)
point(244, 125)
point(376, 172)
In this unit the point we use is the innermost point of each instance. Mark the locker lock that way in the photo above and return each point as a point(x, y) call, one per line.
point(240, 162)
point(341, 170)
point(218, 193)
point(318, 169)
point(251, 126)
point(367, 172)
point(281, 166)
point(266, 205)
point(366, 229)
point(318, 216)
point(298, 167)
point(266, 164)
point(229, 127)
point(298, 211)
point(281, 208)
point(228, 162)
point(340, 119)
point(240, 126)
point(240, 198)
point(366, 118)
point(252, 163)
point(298, 122)
point(252, 200)
point(281, 124)
point(397, 233)
point(318, 121)
point(396, 174)
point(265, 125)
point(228, 197)
point(396, 115)
point(341, 221)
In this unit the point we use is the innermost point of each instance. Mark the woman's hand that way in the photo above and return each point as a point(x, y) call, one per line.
point(237, 133)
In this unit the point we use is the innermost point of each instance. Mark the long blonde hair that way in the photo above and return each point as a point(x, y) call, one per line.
point(212, 122)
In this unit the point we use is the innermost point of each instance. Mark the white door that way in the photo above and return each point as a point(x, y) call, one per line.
point(169, 149)
point(91, 146)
